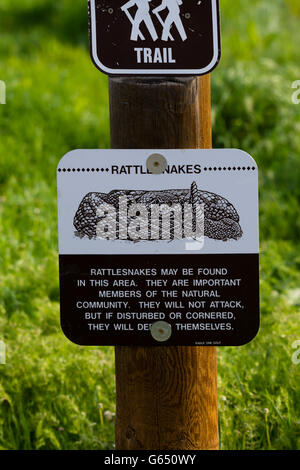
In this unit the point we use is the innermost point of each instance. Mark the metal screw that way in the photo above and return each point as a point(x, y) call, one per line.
point(156, 163)
point(161, 331)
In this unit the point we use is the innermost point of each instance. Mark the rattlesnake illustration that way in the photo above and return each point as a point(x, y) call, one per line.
point(221, 220)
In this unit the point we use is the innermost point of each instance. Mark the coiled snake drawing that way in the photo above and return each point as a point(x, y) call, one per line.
point(221, 220)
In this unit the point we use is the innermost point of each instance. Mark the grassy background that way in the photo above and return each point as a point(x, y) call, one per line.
point(53, 394)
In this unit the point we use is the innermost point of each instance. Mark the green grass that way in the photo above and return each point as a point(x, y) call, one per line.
point(50, 389)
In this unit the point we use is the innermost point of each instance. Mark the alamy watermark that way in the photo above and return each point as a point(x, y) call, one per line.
point(2, 352)
point(296, 354)
point(2, 92)
point(296, 94)
point(150, 222)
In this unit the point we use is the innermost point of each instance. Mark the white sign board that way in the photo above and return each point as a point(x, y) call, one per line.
point(180, 248)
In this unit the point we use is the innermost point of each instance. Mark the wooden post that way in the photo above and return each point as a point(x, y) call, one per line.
point(166, 396)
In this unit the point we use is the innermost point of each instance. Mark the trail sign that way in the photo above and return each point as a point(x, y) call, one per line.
point(154, 37)
point(149, 259)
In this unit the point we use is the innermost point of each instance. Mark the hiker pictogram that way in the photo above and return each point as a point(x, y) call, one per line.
point(142, 15)
point(173, 17)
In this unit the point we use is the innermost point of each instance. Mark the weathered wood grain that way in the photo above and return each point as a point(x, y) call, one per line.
point(166, 396)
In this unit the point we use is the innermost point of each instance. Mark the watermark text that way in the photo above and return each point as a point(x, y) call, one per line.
point(2, 352)
point(296, 354)
point(296, 94)
point(2, 92)
point(150, 221)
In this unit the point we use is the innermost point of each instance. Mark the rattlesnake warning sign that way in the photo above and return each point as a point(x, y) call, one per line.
point(148, 259)
point(177, 37)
